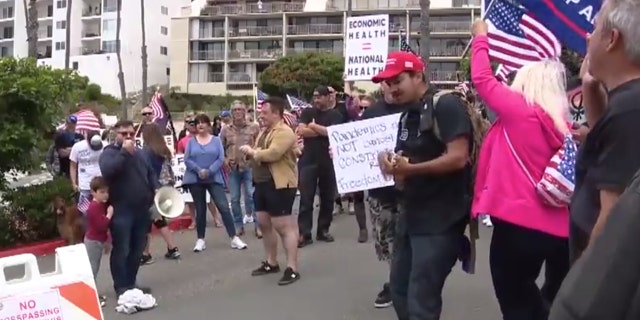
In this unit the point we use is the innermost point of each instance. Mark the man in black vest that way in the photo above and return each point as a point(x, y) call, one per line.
point(434, 172)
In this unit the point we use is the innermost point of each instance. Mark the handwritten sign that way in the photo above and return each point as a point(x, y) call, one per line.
point(42, 305)
point(367, 46)
point(355, 147)
point(179, 168)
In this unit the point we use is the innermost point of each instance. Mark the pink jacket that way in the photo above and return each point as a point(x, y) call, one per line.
point(502, 189)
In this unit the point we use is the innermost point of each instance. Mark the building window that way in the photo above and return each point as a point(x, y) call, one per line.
point(164, 51)
point(110, 6)
point(7, 13)
point(109, 46)
point(75, 65)
point(49, 11)
point(164, 30)
point(61, 24)
point(168, 71)
point(7, 33)
point(61, 4)
point(164, 10)
point(4, 52)
point(61, 46)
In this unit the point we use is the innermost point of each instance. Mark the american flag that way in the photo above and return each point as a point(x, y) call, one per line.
point(260, 98)
point(297, 104)
point(83, 203)
point(404, 45)
point(87, 121)
point(161, 114)
point(517, 39)
point(558, 180)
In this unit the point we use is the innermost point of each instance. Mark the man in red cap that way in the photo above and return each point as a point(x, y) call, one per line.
point(432, 167)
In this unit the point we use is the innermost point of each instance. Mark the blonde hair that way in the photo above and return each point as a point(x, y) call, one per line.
point(544, 84)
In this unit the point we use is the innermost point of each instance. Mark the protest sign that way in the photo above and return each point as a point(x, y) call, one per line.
point(179, 168)
point(367, 46)
point(168, 139)
point(355, 147)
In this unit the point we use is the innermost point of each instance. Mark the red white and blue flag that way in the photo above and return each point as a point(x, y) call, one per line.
point(260, 98)
point(517, 39)
point(83, 203)
point(87, 121)
point(558, 180)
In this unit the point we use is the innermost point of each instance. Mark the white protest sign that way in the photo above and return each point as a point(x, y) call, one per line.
point(367, 46)
point(355, 147)
point(168, 140)
point(179, 168)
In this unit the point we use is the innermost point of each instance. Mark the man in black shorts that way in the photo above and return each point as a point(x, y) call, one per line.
point(276, 179)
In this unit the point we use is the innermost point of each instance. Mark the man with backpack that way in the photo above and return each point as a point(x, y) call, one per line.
point(432, 167)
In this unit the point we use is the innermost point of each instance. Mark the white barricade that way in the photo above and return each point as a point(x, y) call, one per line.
point(68, 293)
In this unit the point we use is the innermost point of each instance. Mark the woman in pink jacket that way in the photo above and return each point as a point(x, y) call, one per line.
point(532, 115)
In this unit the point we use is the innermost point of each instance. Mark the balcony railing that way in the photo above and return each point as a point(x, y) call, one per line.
point(443, 75)
point(237, 9)
point(438, 52)
point(215, 77)
point(255, 54)
point(315, 29)
point(336, 51)
point(239, 77)
point(207, 55)
point(92, 12)
point(444, 26)
point(212, 33)
point(45, 34)
point(256, 31)
point(90, 34)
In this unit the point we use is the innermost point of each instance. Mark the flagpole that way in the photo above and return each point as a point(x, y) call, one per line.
point(255, 101)
point(483, 16)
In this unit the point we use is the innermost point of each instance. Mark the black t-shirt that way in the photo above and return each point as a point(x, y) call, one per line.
point(434, 203)
point(609, 156)
point(316, 149)
point(387, 195)
point(66, 139)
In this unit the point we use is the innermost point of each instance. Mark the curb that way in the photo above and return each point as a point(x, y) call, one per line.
point(48, 247)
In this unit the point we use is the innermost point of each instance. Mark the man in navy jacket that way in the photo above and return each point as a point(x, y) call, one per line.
point(132, 187)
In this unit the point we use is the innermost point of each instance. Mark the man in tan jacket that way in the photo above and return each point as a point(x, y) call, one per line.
point(275, 179)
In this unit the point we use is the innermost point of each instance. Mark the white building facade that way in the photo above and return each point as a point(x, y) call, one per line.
point(93, 38)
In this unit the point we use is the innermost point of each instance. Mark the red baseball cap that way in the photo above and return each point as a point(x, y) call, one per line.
point(397, 63)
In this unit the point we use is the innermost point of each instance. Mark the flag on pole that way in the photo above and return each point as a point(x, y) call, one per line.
point(297, 104)
point(516, 39)
point(87, 121)
point(260, 98)
point(162, 116)
point(83, 203)
point(404, 44)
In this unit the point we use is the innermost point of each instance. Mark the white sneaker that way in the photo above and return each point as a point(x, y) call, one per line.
point(237, 243)
point(486, 220)
point(200, 246)
point(245, 219)
point(352, 208)
point(249, 219)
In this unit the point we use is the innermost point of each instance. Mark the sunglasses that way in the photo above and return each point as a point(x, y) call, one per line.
point(147, 113)
point(362, 107)
point(191, 123)
point(127, 133)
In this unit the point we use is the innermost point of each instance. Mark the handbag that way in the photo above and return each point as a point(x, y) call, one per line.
point(558, 179)
point(167, 177)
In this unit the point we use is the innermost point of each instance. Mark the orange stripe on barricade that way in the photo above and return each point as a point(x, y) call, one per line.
point(83, 296)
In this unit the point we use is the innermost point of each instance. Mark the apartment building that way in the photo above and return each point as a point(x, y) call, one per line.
point(93, 38)
point(224, 46)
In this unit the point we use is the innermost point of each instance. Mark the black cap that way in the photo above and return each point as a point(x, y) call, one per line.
point(322, 90)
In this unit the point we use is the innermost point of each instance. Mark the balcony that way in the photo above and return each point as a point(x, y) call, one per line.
point(437, 52)
point(239, 9)
point(315, 29)
point(336, 51)
point(239, 77)
point(91, 12)
point(255, 54)
point(207, 55)
point(45, 35)
point(443, 76)
point(265, 31)
point(89, 35)
point(211, 33)
point(444, 27)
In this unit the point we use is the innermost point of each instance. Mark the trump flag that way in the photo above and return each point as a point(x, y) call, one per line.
point(569, 20)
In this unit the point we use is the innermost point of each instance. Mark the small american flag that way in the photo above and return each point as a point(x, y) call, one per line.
point(87, 121)
point(558, 180)
point(157, 106)
point(404, 45)
point(260, 98)
point(517, 39)
point(297, 104)
point(83, 203)
point(290, 119)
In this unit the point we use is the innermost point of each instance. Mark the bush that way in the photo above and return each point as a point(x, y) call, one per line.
point(26, 216)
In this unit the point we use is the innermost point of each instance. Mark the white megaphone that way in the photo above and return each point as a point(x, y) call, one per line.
point(168, 202)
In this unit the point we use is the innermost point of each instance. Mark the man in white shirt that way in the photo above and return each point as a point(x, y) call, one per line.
point(84, 158)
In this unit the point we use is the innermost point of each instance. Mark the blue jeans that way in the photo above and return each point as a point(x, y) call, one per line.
point(237, 179)
point(129, 228)
point(199, 194)
point(420, 266)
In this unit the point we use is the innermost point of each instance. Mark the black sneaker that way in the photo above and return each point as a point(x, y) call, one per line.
point(325, 237)
point(265, 268)
point(173, 254)
point(103, 301)
point(146, 259)
point(383, 300)
point(305, 241)
point(288, 277)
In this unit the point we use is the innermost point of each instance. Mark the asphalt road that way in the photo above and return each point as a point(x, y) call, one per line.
point(339, 281)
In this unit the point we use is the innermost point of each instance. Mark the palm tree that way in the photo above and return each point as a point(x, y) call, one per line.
point(425, 34)
point(123, 91)
point(144, 55)
point(31, 17)
point(67, 49)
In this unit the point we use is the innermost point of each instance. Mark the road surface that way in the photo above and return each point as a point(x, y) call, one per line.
point(339, 281)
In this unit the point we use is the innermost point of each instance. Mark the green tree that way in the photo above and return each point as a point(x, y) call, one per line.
point(299, 74)
point(465, 68)
point(31, 102)
point(572, 62)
